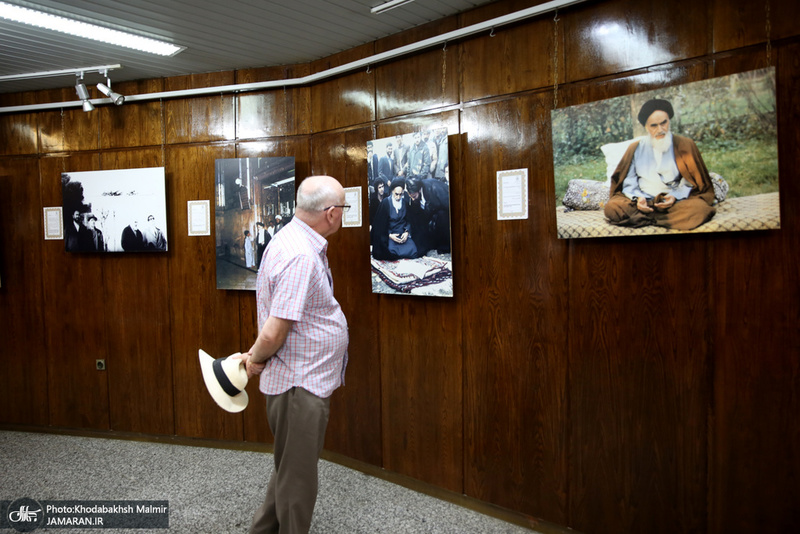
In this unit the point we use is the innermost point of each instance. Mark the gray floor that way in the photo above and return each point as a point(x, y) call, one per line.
point(213, 490)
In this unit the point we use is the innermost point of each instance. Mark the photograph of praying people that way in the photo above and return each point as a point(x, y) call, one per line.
point(255, 198)
point(698, 157)
point(408, 180)
point(115, 211)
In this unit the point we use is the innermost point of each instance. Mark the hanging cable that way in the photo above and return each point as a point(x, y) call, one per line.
point(555, 60)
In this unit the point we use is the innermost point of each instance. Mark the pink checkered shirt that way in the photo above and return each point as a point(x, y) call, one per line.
point(295, 283)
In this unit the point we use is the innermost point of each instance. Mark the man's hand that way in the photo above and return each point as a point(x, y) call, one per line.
point(253, 369)
point(398, 238)
point(667, 202)
point(641, 204)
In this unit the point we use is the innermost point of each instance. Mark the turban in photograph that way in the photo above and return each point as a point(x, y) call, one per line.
point(652, 106)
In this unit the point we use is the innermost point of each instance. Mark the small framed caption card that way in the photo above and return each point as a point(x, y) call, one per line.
point(53, 223)
point(352, 197)
point(199, 217)
point(512, 194)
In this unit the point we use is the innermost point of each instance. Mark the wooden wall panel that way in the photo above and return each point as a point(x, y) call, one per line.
point(276, 112)
point(342, 102)
point(138, 362)
point(420, 82)
point(202, 317)
point(756, 439)
point(134, 124)
point(421, 394)
point(256, 427)
point(202, 118)
point(640, 339)
point(345, 101)
point(515, 337)
point(20, 99)
point(68, 129)
point(621, 35)
point(23, 381)
point(19, 134)
point(740, 23)
point(72, 307)
point(522, 58)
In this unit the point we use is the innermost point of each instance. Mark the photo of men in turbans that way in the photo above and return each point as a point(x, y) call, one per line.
point(409, 214)
point(700, 157)
point(115, 211)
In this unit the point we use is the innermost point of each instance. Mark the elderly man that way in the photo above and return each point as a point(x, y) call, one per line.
point(300, 353)
point(661, 179)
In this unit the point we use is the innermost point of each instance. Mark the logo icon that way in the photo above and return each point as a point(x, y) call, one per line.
point(25, 515)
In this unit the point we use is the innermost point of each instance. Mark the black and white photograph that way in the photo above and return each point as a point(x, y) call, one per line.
point(115, 211)
point(718, 173)
point(409, 214)
point(254, 200)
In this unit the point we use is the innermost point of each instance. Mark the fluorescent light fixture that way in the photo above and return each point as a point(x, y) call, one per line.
point(86, 30)
point(386, 6)
point(117, 98)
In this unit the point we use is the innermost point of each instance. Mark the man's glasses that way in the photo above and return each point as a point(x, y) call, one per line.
point(345, 207)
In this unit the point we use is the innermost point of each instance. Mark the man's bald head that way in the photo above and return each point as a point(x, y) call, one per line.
point(315, 194)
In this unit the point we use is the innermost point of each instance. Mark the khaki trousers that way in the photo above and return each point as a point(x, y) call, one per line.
point(298, 420)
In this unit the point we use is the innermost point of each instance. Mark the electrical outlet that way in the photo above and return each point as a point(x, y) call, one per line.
point(101, 365)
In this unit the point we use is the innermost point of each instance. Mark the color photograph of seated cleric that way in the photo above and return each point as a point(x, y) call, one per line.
point(409, 214)
point(115, 211)
point(699, 157)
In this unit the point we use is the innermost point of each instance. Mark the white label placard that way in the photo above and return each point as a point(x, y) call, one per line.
point(352, 197)
point(199, 217)
point(512, 194)
point(53, 223)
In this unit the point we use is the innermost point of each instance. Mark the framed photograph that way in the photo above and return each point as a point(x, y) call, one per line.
point(115, 211)
point(408, 180)
point(698, 157)
point(255, 198)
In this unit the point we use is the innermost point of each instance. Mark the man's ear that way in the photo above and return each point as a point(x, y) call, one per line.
point(329, 215)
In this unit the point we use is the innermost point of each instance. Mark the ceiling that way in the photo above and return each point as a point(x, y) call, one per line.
point(218, 36)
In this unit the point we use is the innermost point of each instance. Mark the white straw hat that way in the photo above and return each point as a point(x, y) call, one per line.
point(225, 379)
